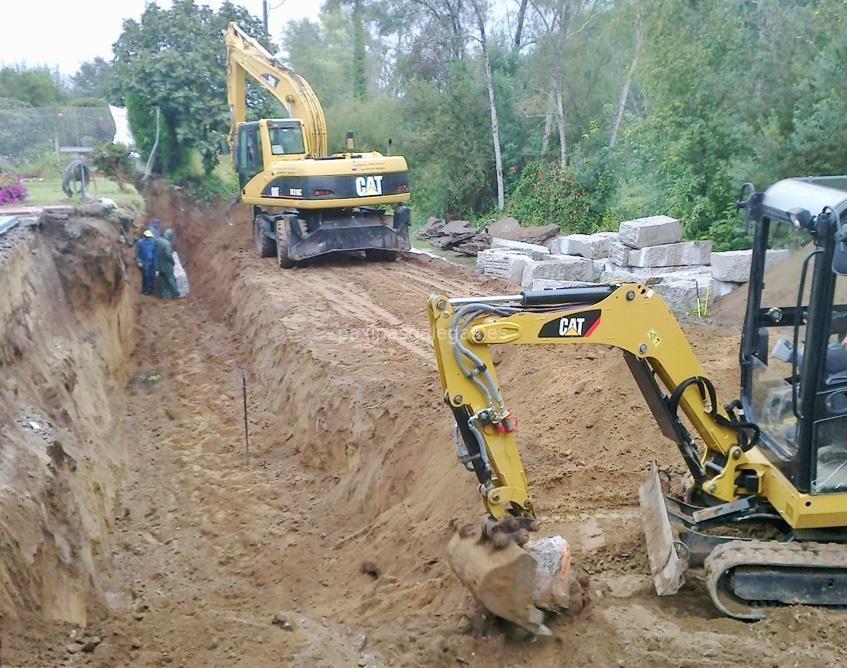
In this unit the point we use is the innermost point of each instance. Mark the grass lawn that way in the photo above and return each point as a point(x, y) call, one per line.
point(49, 191)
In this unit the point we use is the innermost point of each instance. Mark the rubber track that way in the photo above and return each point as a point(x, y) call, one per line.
point(728, 556)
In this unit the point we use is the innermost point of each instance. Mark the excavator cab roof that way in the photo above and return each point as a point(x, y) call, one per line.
point(791, 200)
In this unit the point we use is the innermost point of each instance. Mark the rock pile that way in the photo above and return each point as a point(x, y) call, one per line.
point(647, 250)
point(463, 238)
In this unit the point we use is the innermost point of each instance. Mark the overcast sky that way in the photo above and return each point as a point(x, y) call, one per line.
point(65, 33)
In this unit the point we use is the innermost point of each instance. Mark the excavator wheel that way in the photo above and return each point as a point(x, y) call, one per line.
point(265, 246)
point(282, 256)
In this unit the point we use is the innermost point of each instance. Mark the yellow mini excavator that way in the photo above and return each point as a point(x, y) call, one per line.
point(764, 511)
point(306, 202)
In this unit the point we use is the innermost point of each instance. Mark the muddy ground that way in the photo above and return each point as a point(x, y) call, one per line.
point(326, 546)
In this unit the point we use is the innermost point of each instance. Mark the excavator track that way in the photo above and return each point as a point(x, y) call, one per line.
point(744, 577)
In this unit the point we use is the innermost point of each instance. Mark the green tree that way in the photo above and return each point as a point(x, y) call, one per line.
point(175, 59)
point(94, 79)
point(34, 87)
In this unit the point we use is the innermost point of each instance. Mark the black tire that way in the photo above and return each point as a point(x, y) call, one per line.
point(282, 257)
point(381, 255)
point(265, 246)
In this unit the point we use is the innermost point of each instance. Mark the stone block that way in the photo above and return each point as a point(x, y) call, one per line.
point(496, 264)
point(723, 288)
point(680, 289)
point(565, 268)
point(535, 251)
point(590, 246)
point(612, 271)
point(619, 253)
point(651, 231)
point(734, 266)
point(685, 253)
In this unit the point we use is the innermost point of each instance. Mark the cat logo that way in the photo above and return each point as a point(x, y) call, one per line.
point(368, 186)
point(573, 325)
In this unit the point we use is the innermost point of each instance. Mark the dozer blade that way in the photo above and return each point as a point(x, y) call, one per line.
point(501, 579)
point(667, 567)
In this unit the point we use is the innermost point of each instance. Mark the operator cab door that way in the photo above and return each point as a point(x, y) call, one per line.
point(248, 152)
point(829, 430)
point(794, 347)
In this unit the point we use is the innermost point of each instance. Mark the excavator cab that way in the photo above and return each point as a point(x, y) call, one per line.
point(260, 144)
point(794, 355)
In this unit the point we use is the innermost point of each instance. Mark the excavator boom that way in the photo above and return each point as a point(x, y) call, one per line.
point(247, 57)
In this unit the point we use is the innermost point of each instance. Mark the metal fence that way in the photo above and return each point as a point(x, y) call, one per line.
point(32, 131)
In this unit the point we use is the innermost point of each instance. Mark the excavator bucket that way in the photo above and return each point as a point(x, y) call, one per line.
point(667, 567)
point(502, 579)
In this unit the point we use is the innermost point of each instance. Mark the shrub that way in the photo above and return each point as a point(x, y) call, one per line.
point(114, 161)
point(12, 191)
point(573, 200)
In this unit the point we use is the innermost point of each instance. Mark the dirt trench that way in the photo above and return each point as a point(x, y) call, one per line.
point(326, 546)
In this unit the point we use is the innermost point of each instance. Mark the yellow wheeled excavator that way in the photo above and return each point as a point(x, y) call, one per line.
point(772, 464)
point(305, 201)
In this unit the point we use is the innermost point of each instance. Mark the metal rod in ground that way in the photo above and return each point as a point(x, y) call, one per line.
point(246, 430)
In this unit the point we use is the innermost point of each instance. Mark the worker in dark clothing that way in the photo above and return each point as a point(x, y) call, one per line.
point(145, 258)
point(165, 266)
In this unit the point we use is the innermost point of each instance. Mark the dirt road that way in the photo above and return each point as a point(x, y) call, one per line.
point(327, 547)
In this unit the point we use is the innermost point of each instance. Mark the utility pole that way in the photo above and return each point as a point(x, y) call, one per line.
point(265, 16)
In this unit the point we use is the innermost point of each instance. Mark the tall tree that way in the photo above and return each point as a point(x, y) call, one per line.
point(175, 59)
point(622, 100)
point(480, 8)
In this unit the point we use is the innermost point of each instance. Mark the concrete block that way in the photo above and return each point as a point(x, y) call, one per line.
point(723, 288)
point(535, 251)
point(619, 253)
point(651, 231)
point(590, 246)
point(565, 268)
point(611, 270)
point(672, 255)
point(680, 289)
point(599, 268)
point(552, 284)
point(734, 266)
point(509, 266)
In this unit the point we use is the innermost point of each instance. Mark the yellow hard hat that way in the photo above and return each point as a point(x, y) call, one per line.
point(148, 234)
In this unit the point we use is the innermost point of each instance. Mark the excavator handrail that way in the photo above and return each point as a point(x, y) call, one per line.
point(245, 56)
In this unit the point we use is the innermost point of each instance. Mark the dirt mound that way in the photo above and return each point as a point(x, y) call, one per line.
point(782, 282)
point(65, 327)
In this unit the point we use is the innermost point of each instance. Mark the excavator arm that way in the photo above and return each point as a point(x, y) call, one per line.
point(245, 56)
point(630, 317)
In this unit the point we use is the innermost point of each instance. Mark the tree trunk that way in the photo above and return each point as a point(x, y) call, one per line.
point(548, 128)
point(560, 119)
point(359, 81)
point(516, 46)
point(627, 83)
point(495, 127)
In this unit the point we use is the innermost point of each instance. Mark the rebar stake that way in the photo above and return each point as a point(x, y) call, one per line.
point(246, 430)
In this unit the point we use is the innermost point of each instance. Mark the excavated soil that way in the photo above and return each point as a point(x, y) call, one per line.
point(326, 545)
